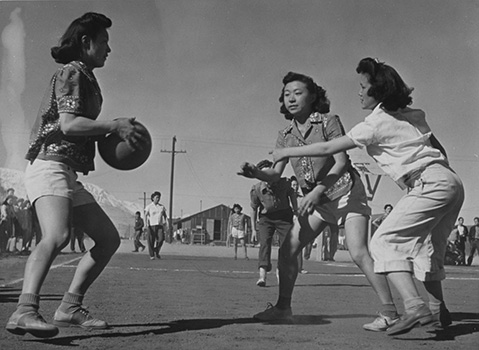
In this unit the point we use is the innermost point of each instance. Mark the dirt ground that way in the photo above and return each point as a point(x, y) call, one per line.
point(198, 297)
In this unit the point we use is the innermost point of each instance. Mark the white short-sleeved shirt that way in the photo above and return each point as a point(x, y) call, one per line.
point(397, 141)
point(155, 214)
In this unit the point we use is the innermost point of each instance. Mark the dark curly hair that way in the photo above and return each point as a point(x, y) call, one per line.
point(156, 193)
point(320, 104)
point(70, 46)
point(387, 86)
point(236, 205)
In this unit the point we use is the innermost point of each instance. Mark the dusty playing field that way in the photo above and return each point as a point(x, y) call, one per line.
point(200, 298)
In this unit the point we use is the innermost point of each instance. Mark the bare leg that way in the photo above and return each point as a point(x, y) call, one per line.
point(96, 224)
point(53, 215)
point(303, 232)
point(356, 236)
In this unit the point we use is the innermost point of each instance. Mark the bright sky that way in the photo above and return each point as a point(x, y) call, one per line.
point(210, 71)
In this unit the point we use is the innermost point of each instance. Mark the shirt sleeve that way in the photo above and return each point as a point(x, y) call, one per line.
point(67, 91)
point(281, 140)
point(255, 202)
point(362, 134)
point(334, 128)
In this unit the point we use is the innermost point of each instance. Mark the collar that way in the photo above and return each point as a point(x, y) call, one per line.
point(313, 119)
point(84, 69)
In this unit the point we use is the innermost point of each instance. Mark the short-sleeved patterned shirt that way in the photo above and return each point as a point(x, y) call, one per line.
point(271, 197)
point(73, 89)
point(320, 128)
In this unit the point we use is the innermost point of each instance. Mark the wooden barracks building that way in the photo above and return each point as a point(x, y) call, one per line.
point(210, 225)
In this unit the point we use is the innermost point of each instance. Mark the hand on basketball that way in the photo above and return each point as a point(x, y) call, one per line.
point(128, 131)
point(248, 170)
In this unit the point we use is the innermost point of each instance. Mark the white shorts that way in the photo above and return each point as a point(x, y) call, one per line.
point(235, 233)
point(353, 203)
point(52, 178)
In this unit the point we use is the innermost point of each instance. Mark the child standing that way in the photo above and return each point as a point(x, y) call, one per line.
point(412, 240)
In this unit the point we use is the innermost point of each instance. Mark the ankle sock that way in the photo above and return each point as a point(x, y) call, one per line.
point(71, 302)
point(28, 302)
point(436, 307)
point(389, 310)
point(283, 303)
point(413, 304)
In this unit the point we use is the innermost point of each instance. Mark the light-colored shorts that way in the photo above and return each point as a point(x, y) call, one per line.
point(52, 178)
point(413, 237)
point(354, 203)
point(235, 233)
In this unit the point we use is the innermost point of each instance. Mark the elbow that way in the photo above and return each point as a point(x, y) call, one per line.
point(66, 129)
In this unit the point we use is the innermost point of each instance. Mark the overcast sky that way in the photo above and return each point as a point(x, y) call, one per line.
point(210, 71)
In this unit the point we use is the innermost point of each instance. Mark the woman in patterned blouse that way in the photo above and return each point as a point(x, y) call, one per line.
point(62, 144)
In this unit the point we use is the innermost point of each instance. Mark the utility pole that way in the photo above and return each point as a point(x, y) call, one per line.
point(173, 153)
point(144, 200)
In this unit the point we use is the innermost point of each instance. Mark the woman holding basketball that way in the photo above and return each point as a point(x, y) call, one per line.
point(63, 144)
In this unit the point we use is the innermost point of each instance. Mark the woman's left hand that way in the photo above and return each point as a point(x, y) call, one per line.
point(310, 201)
point(128, 131)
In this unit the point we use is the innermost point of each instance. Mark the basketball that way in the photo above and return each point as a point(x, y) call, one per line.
point(119, 155)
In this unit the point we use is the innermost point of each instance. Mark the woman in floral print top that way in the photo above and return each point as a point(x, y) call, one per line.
point(333, 194)
point(62, 144)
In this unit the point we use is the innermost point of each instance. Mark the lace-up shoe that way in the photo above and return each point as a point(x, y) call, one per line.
point(79, 318)
point(381, 323)
point(30, 322)
point(421, 316)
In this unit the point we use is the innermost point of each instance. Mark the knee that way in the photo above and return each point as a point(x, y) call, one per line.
point(360, 257)
point(109, 245)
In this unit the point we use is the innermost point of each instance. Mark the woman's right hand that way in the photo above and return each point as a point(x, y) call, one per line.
point(127, 130)
point(248, 170)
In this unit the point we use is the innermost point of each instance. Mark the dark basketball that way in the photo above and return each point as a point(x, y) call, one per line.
point(119, 155)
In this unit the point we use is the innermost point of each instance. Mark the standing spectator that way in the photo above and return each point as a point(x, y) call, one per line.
point(7, 222)
point(156, 221)
point(27, 225)
point(307, 249)
point(330, 242)
point(11, 193)
point(378, 221)
point(461, 233)
point(271, 202)
point(139, 224)
point(473, 240)
point(237, 229)
point(76, 234)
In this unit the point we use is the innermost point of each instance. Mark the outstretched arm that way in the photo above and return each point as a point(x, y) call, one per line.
point(319, 149)
point(267, 174)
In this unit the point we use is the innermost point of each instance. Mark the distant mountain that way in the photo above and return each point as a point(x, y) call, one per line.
point(121, 212)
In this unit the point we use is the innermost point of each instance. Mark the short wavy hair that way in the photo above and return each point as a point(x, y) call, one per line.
point(70, 47)
point(156, 193)
point(236, 205)
point(387, 86)
point(321, 104)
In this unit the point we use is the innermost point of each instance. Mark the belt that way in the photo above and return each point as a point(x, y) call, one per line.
point(413, 178)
